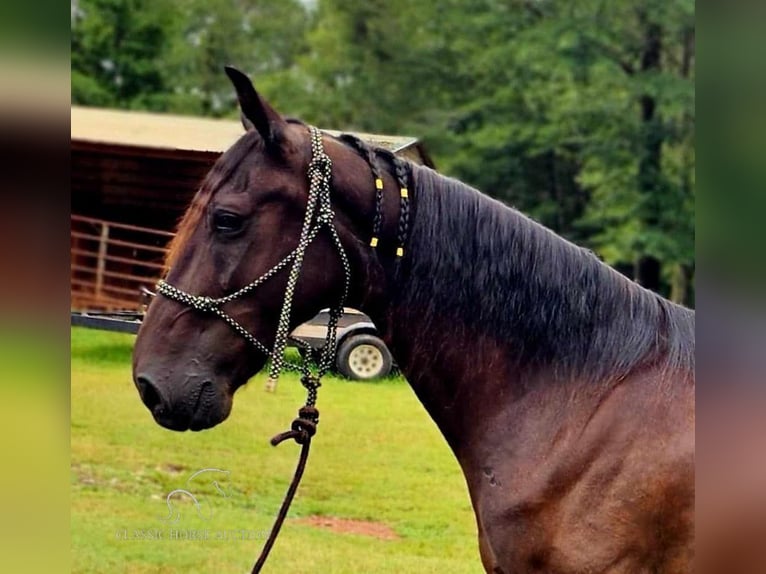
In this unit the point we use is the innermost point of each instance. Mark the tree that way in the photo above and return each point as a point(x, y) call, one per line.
point(581, 114)
point(168, 55)
point(263, 38)
point(118, 51)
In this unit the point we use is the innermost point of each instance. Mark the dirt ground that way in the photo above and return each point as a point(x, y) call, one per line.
point(348, 526)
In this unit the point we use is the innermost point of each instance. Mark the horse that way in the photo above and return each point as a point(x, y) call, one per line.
point(564, 389)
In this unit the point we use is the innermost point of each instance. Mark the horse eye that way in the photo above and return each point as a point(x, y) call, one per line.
point(227, 222)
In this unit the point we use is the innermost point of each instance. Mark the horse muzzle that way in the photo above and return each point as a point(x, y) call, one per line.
point(195, 405)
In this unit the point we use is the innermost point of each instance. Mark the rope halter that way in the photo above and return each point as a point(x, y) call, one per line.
point(319, 215)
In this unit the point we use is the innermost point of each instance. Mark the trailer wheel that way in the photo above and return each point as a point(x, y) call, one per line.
point(363, 357)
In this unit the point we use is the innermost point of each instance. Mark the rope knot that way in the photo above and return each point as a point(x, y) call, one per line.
point(325, 215)
point(310, 381)
point(309, 414)
point(302, 428)
point(320, 167)
point(205, 303)
point(306, 424)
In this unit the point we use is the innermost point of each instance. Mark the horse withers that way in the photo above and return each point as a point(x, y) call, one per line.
point(565, 391)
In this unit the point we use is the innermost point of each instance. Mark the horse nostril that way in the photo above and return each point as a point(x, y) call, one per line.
point(149, 394)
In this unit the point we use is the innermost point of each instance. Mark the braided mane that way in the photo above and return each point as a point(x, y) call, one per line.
point(401, 171)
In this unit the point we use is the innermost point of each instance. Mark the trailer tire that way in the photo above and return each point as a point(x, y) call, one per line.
point(363, 357)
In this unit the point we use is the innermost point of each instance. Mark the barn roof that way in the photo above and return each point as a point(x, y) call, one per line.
point(165, 133)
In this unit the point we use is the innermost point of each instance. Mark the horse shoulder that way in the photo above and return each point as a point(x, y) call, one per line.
point(611, 490)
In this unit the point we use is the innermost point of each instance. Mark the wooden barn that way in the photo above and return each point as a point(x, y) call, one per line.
point(132, 176)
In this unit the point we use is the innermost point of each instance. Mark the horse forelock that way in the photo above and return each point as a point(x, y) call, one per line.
point(223, 170)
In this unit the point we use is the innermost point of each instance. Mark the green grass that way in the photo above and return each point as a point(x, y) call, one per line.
point(376, 457)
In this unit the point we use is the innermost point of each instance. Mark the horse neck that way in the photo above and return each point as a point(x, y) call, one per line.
point(489, 304)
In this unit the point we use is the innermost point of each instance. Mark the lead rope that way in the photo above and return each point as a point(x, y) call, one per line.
point(303, 428)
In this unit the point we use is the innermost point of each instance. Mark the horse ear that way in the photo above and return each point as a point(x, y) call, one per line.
point(256, 112)
point(247, 124)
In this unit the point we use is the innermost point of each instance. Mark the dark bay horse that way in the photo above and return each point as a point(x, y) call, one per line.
point(565, 391)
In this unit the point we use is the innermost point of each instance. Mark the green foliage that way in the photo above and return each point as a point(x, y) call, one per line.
point(579, 114)
point(169, 54)
point(118, 49)
point(263, 38)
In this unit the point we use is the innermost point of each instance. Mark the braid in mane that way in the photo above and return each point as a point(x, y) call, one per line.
point(369, 155)
point(401, 173)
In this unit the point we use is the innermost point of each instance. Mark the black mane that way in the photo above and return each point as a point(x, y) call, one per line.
point(489, 268)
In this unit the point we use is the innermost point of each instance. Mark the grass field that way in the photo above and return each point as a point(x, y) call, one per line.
point(377, 457)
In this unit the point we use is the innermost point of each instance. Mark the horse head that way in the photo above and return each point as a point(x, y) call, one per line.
point(217, 317)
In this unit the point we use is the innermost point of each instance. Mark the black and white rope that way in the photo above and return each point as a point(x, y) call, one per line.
point(318, 206)
point(319, 215)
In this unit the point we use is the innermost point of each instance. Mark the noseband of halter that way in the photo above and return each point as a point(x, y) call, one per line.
point(319, 215)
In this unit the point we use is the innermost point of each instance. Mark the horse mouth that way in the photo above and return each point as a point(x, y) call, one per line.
point(209, 409)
